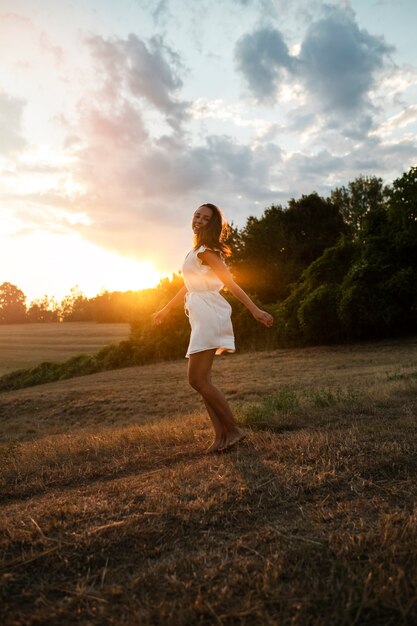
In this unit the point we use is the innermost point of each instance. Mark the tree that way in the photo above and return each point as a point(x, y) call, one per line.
point(362, 195)
point(257, 260)
point(277, 247)
point(365, 286)
point(12, 304)
point(170, 339)
point(43, 310)
point(311, 313)
point(312, 224)
point(75, 307)
point(380, 290)
point(402, 217)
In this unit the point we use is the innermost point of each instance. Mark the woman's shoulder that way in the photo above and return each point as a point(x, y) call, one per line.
point(204, 248)
point(204, 261)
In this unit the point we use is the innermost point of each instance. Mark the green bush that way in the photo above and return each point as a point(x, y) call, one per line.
point(318, 314)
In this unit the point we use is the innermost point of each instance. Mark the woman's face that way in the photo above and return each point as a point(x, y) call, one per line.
point(201, 218)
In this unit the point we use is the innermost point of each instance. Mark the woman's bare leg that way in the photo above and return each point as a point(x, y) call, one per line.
point(225, 426)
point(199, 368)
point(220, 433)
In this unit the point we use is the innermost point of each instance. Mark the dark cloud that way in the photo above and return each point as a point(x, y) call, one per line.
point(300, 120)
point(309, 172)
point(148, 70)
point(11, 112)
point(338, 63)
point(262, 57)
point(242, 169)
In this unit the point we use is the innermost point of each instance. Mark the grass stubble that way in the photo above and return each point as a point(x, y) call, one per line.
point(310, 521)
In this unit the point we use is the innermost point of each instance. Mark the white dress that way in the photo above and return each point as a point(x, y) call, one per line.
point(209, 313)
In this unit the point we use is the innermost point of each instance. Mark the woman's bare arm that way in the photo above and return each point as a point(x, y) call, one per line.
point(215, 262)
point(159, 316)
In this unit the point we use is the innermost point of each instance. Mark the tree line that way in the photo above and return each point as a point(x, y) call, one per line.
point(107, 306)
point(330, 269)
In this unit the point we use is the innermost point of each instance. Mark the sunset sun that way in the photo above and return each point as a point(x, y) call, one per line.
point(63, 261)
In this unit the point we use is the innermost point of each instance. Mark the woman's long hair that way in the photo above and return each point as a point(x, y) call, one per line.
point(213, 235)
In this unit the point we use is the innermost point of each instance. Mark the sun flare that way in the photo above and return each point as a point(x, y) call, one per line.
point(66, 260)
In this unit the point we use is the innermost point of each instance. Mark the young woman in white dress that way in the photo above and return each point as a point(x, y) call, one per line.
point(204, 274)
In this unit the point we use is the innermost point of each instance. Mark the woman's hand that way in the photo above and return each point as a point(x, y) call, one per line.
point(159, 317)
point(263, 317)
point(220, 269)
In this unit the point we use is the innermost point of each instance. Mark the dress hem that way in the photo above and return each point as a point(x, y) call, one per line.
point(222, 348)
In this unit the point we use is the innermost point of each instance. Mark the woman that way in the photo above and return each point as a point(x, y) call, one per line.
point(205, 273)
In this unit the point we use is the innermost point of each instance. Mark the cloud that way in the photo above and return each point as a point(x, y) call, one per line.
point(138, 188)
point(266, 7)
point(203, 109)
point(129, 175)
point(11, 113)
point(163, 11)
point(262, 57)
point(158, 9)
point(337, 64)
point(323, 170)
point(305, 172)
point(134, 182)
point(114, 127)
point(148, 70)
point(400, 120)
point(396, 83)
point(47, 46)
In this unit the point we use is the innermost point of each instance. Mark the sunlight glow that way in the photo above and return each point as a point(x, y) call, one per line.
point(63, 261)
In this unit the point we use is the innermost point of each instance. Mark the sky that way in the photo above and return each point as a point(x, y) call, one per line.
point(118, 119)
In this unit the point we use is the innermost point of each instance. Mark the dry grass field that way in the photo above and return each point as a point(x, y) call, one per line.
point(111, 513)
point(27, 345)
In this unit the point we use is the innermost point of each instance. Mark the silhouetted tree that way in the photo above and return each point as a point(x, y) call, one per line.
point(402, 218)
point(257, 260)
point(380, 289)
point(12, 304)
point(277, 247)
point(366, 287)
point(311, 313)
point(75, 307)
point(313, 224)
point(358, 199)
point(43, 310)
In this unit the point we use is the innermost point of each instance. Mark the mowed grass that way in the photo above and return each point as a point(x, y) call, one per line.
point(112, 515)
point(27, 345)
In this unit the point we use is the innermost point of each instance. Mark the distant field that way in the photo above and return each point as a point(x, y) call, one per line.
point(112, 515)
point(26, 345)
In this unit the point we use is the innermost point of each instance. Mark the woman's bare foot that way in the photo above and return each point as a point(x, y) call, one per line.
point(232, 438)
point(216, 445)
